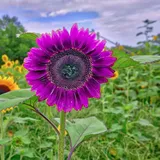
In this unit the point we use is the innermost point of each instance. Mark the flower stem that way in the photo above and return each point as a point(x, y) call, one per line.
point(62, 135)
point(1, 135)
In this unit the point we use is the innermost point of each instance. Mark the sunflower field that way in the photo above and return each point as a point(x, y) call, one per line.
point(124, 124)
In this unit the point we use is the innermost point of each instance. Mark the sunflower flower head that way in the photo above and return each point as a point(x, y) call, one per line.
point(18, 69)
point(9, 64)
point(16, 62)
point(121, 48)
point(7, 110)
point(155, 38)
point(68, 68)
point(4, 58)
point(9, 74)
point(115, 76)
point(12, 62)
point(3, 66)
point(7, 84)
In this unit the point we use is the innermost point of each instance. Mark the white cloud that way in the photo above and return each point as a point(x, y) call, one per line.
point(118, 19)
point(43, 14)
point(60, 12)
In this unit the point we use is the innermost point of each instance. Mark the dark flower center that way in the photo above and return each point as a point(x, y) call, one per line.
point(69, 69)
point(3, 89)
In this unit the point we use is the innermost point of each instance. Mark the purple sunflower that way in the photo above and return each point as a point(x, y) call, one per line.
point(68, 68)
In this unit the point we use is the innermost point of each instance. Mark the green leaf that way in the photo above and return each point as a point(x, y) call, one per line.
point(117, 110)
point(115, 127)
point(26, 140)
point(144, 122)
point(45, 145)
point(21, 133)
point(123, 60)
point(13, 98)
point(29, 36)
point(23, 120)
point(82, 128)
point(26, 152)
point(4, 141)
point(146, 58)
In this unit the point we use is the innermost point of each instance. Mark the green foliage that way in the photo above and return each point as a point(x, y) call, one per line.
point(129, 107)
point(123, 60)
point(146, 59)
point(10, 44)
point(13, 98)
point(29, 36)
point(79, 129)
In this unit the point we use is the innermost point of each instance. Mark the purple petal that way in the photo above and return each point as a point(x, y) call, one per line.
point(77, 100)
point(106, 53)
point(93, 87)
point(100, 46)
point(37, 58)
point(103, 72)
point(32, 75)
point(46, 91)
point(104, 62)
point(100, 79)
point(83, 97)
point(57, 41)
point(83, 38)
point(40, 53)
point(33, 65)
point(102, 55)
point(74, 33)
point(65, 38)
point(61, 101)
point(80, 38)
point(45, 43)
point(43, 80)
point(90, 46)
point(70, 101)
point(52, 97)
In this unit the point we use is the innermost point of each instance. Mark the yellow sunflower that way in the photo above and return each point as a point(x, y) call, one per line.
point(3, 66)
point(12, 62)
point(155, 38)
point(7, 85)
point(9, 64)
point(18, 69)
point(10, 74)
point(16, 62)
point(116, 74)
point(121, 48)
point(4, 58)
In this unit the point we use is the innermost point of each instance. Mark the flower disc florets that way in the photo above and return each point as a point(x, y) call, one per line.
point(68, 68)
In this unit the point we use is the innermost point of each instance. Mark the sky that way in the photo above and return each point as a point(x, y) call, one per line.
point(117, 20)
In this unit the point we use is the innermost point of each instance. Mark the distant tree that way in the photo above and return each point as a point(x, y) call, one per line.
point(10, 43)
point(6, 20)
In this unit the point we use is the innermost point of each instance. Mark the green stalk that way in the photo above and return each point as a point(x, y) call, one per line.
point(1, 136)
point(61, 136)
point(128, 87)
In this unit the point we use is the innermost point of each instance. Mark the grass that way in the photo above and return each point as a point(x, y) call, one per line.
point(129, 107)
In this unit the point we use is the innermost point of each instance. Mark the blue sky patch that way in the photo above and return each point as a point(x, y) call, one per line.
point(71, 16)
